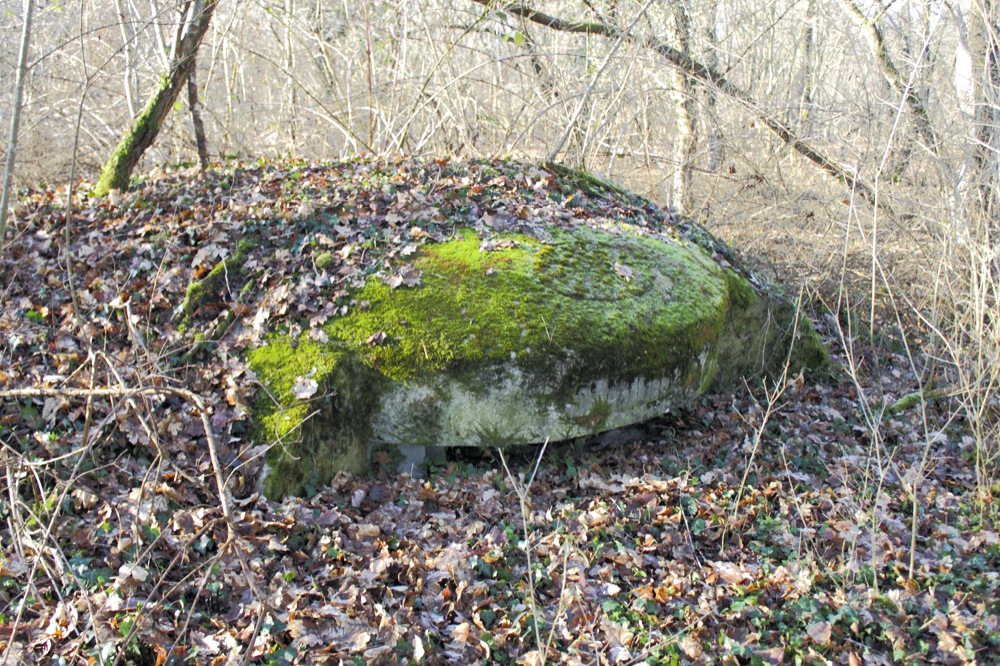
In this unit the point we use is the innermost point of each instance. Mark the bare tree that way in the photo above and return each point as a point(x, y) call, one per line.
point(142, 133)
point(712, 77)
point(15, 121)
point(901, 84)
point(977, 75)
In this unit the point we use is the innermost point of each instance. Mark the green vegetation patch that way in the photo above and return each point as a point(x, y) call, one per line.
point(322, 434)
point(587, 304)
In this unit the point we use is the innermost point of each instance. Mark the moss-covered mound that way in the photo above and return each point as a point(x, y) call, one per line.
point(508, 338)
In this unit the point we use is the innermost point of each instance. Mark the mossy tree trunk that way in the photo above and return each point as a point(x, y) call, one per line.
point(140, 136)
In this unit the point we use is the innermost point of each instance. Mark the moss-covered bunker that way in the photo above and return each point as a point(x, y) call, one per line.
point(592, 329)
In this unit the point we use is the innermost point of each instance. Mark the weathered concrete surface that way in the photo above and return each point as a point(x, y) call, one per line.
point(594, 329)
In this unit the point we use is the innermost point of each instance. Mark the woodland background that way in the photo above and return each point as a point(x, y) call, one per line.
point(848, 147)
point(852, 142)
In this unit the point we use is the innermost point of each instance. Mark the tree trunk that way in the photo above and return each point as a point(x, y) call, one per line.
point(15, 121)
point(685, 113)
point(807, 75)
point(977, 74)
point(131, 75)
point(140, 136)
point(292, 96)
point(715, 137)
point(199, 126)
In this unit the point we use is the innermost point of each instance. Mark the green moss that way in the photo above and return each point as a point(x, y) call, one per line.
point(527, 302)
point(741, 294)
point(588, 182)
point(312, 439)
point(324, 261)
point(199, 291)
point(245, 246)
point(758, 337)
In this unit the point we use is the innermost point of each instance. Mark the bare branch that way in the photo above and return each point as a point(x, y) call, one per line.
point(709, 76)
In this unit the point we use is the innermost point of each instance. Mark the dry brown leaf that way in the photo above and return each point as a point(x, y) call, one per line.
point(820, 632)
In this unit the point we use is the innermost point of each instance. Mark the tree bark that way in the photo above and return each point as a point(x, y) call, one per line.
point(15, 121)
point(711, 77)
point(199, 127)
point(685, 114)
point(141, 135)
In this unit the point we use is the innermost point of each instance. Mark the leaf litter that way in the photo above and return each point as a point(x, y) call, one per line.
point(647, 550)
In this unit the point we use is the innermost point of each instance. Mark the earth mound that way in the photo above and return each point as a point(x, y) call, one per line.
point(539, 320)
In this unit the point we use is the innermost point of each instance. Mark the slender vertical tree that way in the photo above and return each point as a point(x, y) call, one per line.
point(685, 111)
point(977, 74)
point(15, 121)
point(197, 14)
point(199, 127)
point(807, 75)
point(711, 118)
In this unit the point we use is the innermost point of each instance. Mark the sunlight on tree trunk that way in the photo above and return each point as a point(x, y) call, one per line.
point(291, 98)
point(199, 127)
point(118, 169)
point(15, 120)
point(685, 113)
point(977, 78)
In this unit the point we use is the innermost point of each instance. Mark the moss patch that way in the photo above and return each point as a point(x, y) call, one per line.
point(222, 275)
point(312, 439)
point(759, 334)
point(590, 304)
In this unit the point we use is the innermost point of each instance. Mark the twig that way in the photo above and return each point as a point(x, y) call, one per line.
point(127, 393)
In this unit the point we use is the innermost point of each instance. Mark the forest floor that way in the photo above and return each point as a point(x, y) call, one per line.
point(790, 523)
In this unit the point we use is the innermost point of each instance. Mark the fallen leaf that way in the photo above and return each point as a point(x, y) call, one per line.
point(691, 646)
point(304, 388)
point(368, 531)
point(820, 632)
